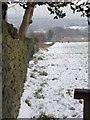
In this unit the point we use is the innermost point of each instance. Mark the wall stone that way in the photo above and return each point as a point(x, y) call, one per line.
point(16, 54)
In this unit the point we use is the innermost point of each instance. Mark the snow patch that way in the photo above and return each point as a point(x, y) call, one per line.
point(52, 77)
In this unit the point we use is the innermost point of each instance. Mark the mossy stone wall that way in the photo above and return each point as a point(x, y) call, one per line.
point(16, 54)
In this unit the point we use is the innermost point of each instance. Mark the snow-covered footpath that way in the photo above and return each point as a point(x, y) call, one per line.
point(52, 76)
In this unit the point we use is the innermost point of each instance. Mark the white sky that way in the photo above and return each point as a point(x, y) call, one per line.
point(40, 11)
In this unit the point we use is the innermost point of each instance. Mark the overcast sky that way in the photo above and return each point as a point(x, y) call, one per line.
point(40, 11)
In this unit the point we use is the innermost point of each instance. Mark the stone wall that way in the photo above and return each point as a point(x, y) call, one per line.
point(16, 54)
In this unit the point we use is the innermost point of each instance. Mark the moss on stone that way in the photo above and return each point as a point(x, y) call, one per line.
point(16, 55)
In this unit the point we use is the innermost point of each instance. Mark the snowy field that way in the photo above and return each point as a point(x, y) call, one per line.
point(52, 76)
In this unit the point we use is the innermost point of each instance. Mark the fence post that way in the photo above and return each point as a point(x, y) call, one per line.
point(84, 94)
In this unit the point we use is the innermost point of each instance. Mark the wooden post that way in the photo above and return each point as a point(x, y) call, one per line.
point(84, 94)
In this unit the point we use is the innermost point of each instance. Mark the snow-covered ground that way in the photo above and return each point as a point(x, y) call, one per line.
point(52, 76)
point(78, 27)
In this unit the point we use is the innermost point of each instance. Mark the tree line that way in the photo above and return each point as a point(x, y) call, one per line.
point(54, 8)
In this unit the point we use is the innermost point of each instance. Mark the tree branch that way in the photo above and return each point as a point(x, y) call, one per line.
point(27, 19)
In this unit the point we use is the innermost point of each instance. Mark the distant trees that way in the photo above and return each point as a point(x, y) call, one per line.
point(63, 34)
point(39, 36)
point(49, 35)
point(54, 8)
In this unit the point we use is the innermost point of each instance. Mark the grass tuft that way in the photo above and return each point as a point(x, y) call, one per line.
point(32, 76)
point(28, 102)
point(38, 94)
point(43, 116)
point(43, 73)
